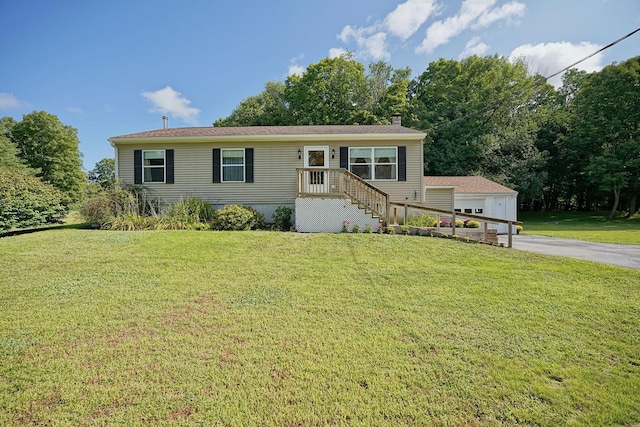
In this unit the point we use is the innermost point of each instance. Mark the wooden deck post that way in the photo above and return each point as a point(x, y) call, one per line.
point(486, 229)
point(406, 214)
point(388, 210)
point(395, 216)
point(509, 233)
point(453, 222)
point(438, 222)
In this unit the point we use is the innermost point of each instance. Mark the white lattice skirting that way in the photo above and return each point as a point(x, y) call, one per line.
point(326, 215)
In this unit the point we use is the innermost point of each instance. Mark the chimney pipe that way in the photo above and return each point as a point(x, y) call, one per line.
point(165, 122)
point(396, 120)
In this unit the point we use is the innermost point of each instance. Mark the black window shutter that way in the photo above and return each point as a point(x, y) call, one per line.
point(344, 157)
point(137, 166)
point(169, 160)
point(248, 165)
point(216, 165)
point(402, 163)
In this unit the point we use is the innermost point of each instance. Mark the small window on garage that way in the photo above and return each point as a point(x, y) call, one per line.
point(468, 210)
point(479, 210)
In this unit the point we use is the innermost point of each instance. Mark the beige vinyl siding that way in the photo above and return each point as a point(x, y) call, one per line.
point(399, 191)
point(275, 177)
point(274, 174)
point(439, 198)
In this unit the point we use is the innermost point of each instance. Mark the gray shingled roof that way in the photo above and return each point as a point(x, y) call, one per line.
point(466, 184)
point(272, 130)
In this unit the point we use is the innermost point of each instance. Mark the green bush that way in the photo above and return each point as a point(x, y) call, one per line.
point(193, 210)
point(258, 219)
point(234, 218)
point(282, 218)
point(26, 201)
point(422, 220)
point(472, 224)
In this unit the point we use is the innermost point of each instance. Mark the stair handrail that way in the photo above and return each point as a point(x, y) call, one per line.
point(343, 183)
point(367, 195)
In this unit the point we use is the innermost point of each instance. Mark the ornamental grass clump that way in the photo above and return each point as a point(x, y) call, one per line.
point(192, 210)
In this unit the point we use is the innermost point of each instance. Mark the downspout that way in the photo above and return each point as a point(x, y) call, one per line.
point(115, 149)
point(423, 187)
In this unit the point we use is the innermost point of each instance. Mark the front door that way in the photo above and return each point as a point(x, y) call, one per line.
point(316, 158)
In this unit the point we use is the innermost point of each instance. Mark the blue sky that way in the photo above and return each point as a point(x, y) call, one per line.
point(114, 67)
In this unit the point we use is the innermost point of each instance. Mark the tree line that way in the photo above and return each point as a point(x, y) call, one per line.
point(576, 147)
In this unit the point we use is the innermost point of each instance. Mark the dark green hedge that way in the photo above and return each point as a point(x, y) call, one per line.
point(26, 201)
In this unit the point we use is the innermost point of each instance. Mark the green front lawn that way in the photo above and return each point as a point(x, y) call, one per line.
point(286, 329)
point(591, 226)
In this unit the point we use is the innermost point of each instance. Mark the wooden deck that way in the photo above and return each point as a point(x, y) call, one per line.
point(340, 183)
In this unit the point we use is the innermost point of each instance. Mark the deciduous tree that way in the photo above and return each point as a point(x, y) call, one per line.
point(104, 173)
point(607, 126)
point(476, 115)
point(333, 91)
point(47, 144)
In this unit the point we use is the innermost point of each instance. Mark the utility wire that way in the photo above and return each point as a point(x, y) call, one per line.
point(593, 54)
point(502, 101)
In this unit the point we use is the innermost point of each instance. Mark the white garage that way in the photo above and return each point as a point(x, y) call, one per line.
point(478, 195)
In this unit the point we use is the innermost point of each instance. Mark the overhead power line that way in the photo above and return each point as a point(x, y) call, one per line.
point(502, 101)
point(593, 54)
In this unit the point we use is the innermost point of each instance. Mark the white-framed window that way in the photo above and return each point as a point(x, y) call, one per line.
point(233, 164)
point(153, 166)
point(374, 163)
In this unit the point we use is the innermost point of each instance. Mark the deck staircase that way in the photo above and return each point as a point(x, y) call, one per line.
point(340, 183)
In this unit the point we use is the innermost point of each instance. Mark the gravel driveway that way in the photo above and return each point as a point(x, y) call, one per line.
point(608, 253)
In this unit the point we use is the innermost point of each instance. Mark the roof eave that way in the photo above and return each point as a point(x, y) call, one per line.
point(271, 138)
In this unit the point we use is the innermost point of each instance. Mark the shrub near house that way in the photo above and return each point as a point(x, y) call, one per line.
point(26, 201)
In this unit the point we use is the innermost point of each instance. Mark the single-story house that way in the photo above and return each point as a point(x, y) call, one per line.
point(329, 174)
point(474, 195)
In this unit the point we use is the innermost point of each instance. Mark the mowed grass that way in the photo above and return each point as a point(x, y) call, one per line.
point(590, 226)
point(285, 329)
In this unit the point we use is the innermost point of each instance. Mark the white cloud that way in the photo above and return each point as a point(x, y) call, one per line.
point(548, 58)
point(370, 41)
point(506, 12)
point(296, 69)
point(475, 14)
point(8, 101)
point(336, 52)
point(169, 101)
point(408, 17)
point(402, 23)
point(76, 110)
point(474, 47)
